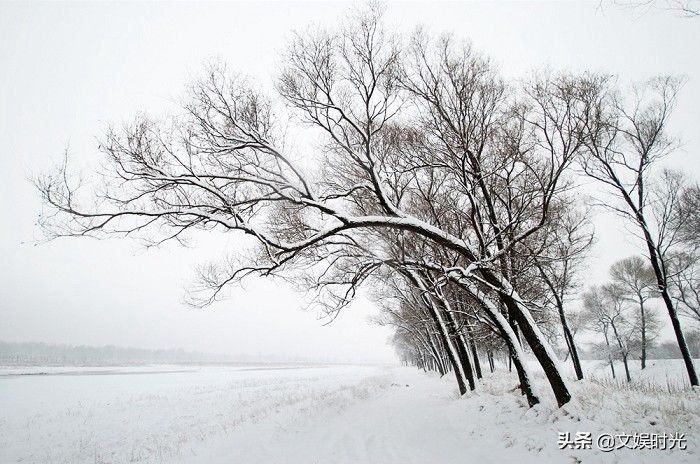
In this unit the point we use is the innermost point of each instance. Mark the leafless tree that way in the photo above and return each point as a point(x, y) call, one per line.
point(688, 214)
point(623, 328)
point(625, 142)
point(609, 315)
point(636, 282)
point(685, 282)
point(566, 241)
point(415, 333)
point(683, 201)
point(598, 319)
point(423, 143)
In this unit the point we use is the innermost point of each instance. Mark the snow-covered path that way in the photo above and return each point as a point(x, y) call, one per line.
point(418, 418)
point(405, 422)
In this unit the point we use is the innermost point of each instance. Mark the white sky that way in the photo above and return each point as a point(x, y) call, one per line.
point(67, 70)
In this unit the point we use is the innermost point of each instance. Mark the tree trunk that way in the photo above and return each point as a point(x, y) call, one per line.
point(447, 342)
point(518, 362)
point(475, 357)
point(656, 264)
point(610, 359)
point(449, 349)
point(439, 367)
point(435, 313)
point(540, 348)
point(532, 334)
point(623, 352)
point(627, 369)
point(459, 343)
point(510, 338)
point(612, 366)
point(643, 357)
point(515, 350)
point(436, 353)
point(568, 337)
point(464, 358)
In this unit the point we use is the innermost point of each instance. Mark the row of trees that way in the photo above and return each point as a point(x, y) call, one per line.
point(42, 354)
point(448, 189)
point(619, 311)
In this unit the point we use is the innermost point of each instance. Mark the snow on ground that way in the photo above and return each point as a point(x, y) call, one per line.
point(155, 416)
point(663, 373)
point(6, 371)
point(327, 414)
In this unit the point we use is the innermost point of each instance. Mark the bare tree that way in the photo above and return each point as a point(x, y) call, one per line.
point(597, 314)
point(636, 281)
point(424, 143)
point(568, 239)
point(414, 337)
point(683, 201)
point(622, 327)
point(612, 318)
point(687, 218)
point(494, 150)
point(625, 143)
point(685, 282)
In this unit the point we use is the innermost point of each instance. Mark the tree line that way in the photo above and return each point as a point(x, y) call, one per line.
point(43, 354)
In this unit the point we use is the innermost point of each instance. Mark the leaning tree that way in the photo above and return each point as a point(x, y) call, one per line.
point(625, 142)
point(419, 138)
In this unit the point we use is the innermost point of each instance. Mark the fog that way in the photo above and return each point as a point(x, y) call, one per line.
point(69, 70)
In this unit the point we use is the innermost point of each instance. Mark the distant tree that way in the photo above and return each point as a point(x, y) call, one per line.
point(685, 284)
point(694, 342)
point(636, 281)
point(688, 215)
point(623, 324)
point(598, 314)
point(683, 203)
point(611, 315)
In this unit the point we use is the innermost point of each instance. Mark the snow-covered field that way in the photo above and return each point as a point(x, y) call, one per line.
point(326, 414)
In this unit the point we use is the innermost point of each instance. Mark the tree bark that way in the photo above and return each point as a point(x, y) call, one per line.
point(459, 343)
point(643, 357)
point(475, 357)
point(449, 348)
point(515, 352)
point(623, 351)
point(610, 359)
point(464, 357)
point(436, 354)
point(539, 347)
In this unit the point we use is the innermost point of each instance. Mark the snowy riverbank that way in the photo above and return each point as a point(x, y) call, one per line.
point(339, 414)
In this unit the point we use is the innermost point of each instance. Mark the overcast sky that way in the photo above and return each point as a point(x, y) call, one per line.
point(68, 70)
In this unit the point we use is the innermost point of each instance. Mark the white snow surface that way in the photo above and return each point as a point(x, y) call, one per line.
point(328, 414)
